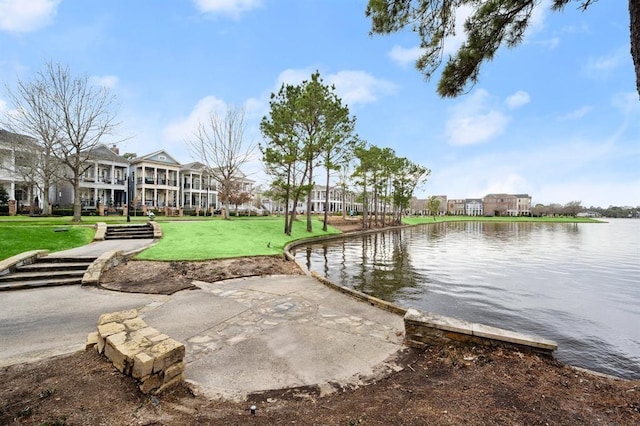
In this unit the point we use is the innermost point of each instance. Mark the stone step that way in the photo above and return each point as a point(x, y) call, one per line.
point(53, 266)
point(132, 232)
point(27, 276)
point(129, 236)
point(26, 284)
point(119, 228)
point(62, 259)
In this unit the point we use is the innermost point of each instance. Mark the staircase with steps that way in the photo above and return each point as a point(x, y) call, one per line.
point(125, 232)
point(47, 272)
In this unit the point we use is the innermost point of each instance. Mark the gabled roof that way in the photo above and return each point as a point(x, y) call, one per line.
point(156, 157)
point(12, 138)
point(103, 152)
point(196, 165)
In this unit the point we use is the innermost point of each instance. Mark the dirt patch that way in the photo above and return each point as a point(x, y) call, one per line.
point(444, 385)
point(138, 276)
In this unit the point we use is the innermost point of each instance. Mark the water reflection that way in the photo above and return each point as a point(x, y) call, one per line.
point(574, 283)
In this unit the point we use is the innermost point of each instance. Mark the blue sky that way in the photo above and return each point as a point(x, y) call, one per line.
point(558, 117)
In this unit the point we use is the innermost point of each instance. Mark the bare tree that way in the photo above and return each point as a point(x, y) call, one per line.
point(219, 145)
point(34, 137)
point(67, 116)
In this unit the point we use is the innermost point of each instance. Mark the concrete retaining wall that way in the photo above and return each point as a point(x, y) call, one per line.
point(154, 359)
point(104, 262)
point(9, 265)
point(422, 329)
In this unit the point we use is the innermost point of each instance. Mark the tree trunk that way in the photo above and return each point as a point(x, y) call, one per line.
point(77, 207)
point(46, 206)
point(309, 224)
point(344, 202)
point(634, 14)
point(326, 203)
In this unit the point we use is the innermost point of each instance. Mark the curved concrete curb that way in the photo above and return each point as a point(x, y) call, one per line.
point(373, 301)
point(423, 327)
point(8, 265)
point(104, 262)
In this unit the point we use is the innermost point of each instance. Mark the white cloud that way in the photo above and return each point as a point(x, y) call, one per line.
point(293, 77)
point(405, 56)
point(577, 114)
point(3, 106)
point(453, 43)
point(359, 87)
point(474, 120)
point(555, 172)
point(233, 8)
point(108, 81)
point(627, 103)
point(538, 17)
point(25, 16)
point(354, 87)
point(602, 65)
point(184, 128)
point(518, 99)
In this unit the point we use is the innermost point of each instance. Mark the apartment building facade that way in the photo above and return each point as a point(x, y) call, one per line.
point(104, 182)
point(24, 190)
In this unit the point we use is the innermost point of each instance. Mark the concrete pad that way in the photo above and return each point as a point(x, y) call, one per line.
point(254, 334)
point(190, 313)
point(288, 356)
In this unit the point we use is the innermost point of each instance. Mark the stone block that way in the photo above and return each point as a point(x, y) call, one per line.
point(134, 324)
point(117, 316)
point(144, 334)
point(101, 344)
point(171, 383)
point(158, 338)
point(110, 328)
point(142, 365)
point(166, 353)
point(92, 340)
point(173, 370)
point(152, 383)
point(112, 351)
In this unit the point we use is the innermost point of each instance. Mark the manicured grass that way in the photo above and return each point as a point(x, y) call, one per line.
point(200, 240)
point(416, 220)
point(18, 237)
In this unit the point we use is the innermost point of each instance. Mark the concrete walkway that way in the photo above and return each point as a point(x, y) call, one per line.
point(263, 333)
point(97, 248)
point(241, 336)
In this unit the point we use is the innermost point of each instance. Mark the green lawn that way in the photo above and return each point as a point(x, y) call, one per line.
point(17, 237)
point(200, 240)
point(191, 238)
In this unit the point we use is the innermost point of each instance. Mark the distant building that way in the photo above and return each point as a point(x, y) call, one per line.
point(473, 207)
point(456, 207)
point(156, 180)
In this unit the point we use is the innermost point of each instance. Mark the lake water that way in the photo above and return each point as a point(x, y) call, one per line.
point(577, 284)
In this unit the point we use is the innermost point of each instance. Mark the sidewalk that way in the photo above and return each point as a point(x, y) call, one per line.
point(97, 248)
